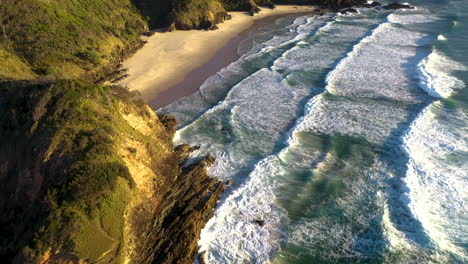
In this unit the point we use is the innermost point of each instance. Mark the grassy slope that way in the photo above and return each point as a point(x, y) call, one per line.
point(65, 39)
point(60, 151)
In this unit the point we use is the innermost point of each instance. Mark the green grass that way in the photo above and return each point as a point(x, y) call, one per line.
point(87, 187)
point(192, 13)
point(66, 39)
point(13, 67)
point(103, 232)
point(91, 241)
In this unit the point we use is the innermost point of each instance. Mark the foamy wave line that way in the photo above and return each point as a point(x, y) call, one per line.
point(435, 75)
point(301, 35)
point(248, 56)
point(301, 42)
point(436, 190)
point(310, 105)
point(251, 200)
point(342, 64)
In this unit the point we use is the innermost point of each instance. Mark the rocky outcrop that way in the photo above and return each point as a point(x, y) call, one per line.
point(187, 14)
point(329, 4)
point(169, 234)
point(348, 11)
point(340, 4)
point(81, 163)
point(394, 6)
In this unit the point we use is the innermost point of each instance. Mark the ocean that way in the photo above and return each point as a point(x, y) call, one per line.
point(346, 134)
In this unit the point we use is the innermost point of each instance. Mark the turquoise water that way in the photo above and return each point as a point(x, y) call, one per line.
point(347, 134)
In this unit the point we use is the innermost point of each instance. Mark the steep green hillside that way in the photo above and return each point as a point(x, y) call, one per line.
point(75, 160)
point(65, 39)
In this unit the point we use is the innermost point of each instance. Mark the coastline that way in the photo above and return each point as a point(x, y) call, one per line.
point(173, 65)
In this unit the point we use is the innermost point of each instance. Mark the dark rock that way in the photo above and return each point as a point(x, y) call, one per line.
point(208, 161)
point(254, 10)
point(183, 147)
point(376, 4)
point(228, 182)
point(118, 79)
point(269, 5)
point(394, 6)
point(340, 4)
point(348, 11)
point(202, 257)
point(183, 151)
point(171, 27)
point(169, 122)
point(197, 147)
point(148, 33)
point(169, 227)
point(259, 222)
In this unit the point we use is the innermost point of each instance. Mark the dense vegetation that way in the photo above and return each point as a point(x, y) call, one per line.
point(65, 38)
point(203, 14)
point(88, 38)
point(60, 158)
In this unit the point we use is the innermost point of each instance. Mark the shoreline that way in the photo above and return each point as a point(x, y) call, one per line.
point(160, 70)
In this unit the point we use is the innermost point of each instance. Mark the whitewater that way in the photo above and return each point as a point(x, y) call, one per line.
point(346, 135)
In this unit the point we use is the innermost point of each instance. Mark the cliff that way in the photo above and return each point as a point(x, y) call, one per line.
point(92, 174)
point(205, 14)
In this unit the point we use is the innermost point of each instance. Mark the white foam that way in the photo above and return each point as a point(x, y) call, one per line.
point(336, 237)
point(214, 88)
point(436, 176)
point(259, 108)
point(372, 120)
point(311, 57)
point(411, 18)
point(380, 66)
point(232, 236)
point(435, 73)
point(441, 38)
point(258, 111)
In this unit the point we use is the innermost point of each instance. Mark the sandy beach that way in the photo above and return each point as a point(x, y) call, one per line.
point(174, 64)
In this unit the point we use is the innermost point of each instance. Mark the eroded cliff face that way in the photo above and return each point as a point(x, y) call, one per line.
point(205, 14)
point(93, 175)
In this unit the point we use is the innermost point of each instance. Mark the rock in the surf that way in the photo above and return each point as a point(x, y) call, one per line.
point(394, 6)
point(348, 11)
point(259, 222)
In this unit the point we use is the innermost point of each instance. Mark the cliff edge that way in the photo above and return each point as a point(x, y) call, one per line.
point(92, 174)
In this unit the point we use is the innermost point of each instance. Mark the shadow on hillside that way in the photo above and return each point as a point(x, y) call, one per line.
point(156, 12)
